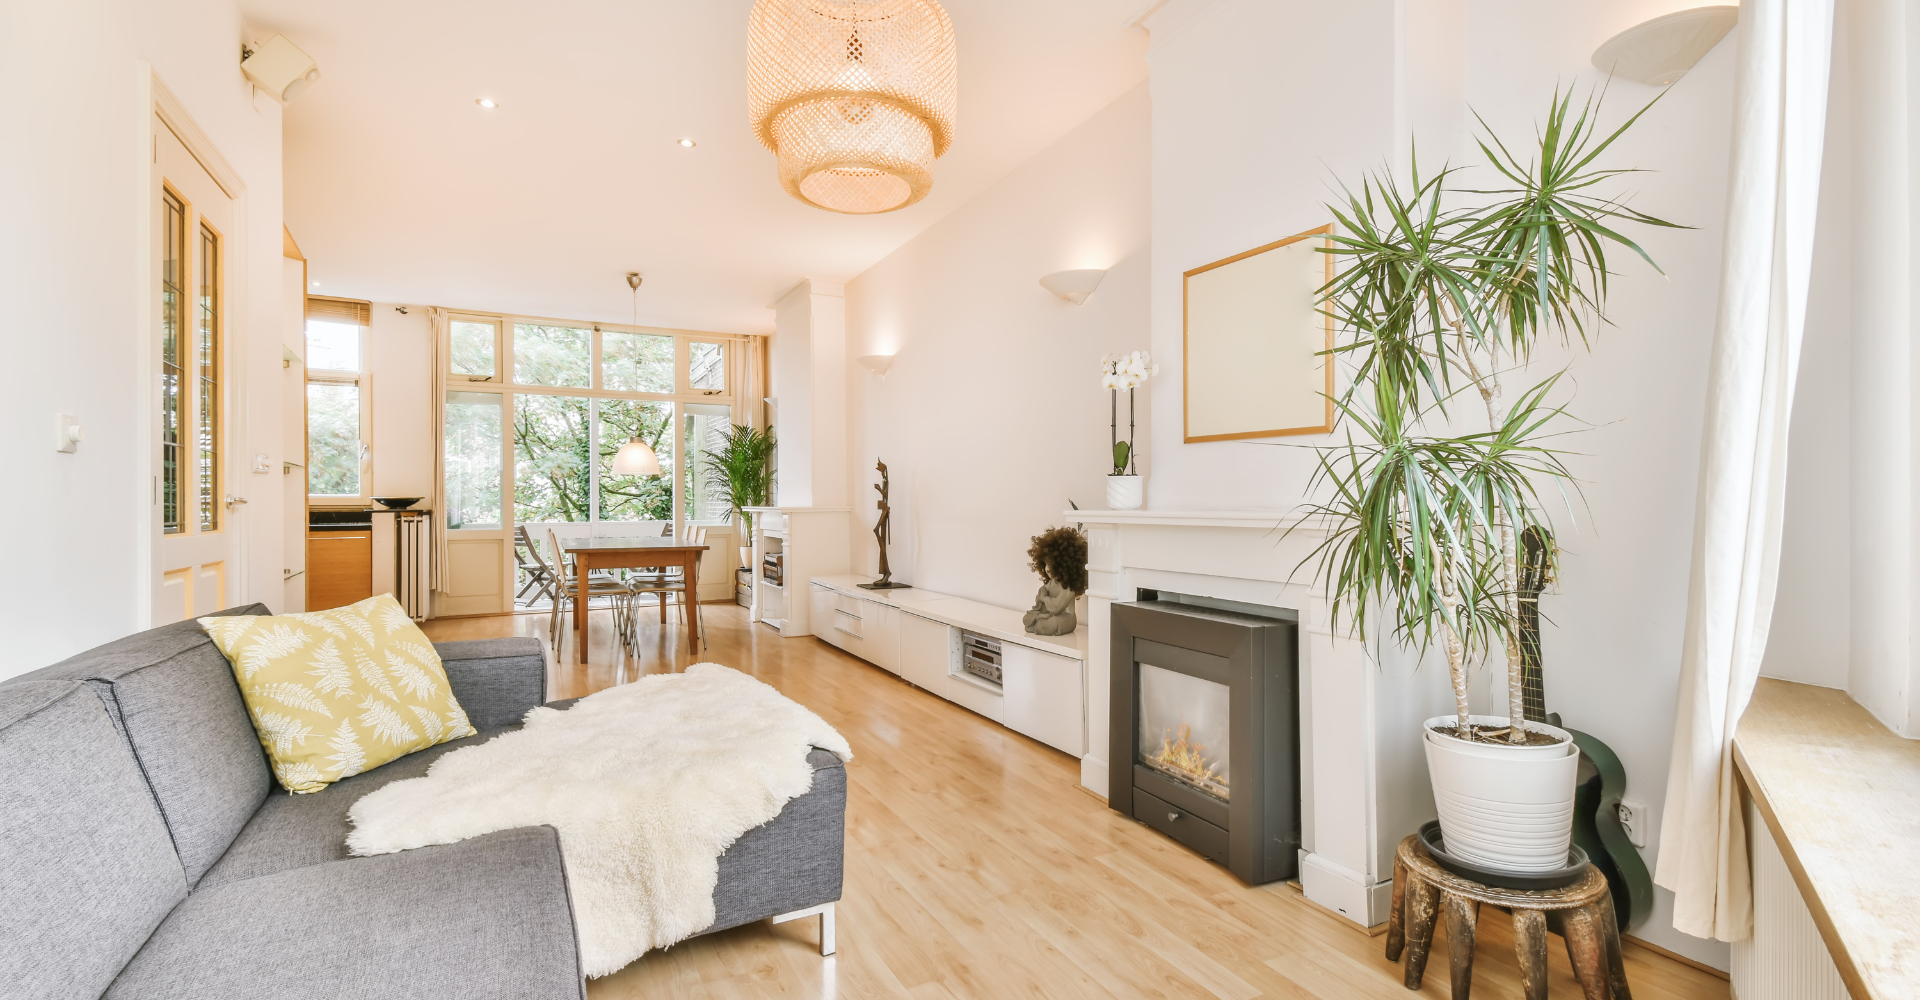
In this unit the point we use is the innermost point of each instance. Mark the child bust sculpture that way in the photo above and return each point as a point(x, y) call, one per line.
point(1059, 555)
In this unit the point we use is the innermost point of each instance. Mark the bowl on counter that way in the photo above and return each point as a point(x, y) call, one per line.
point(397, 503)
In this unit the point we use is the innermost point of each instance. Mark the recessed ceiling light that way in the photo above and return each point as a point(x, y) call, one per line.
point(689, 143)
point(316, 284)
point(488, 103)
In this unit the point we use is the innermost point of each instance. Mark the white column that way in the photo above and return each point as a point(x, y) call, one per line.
point(808, 382)
point(1882, 414)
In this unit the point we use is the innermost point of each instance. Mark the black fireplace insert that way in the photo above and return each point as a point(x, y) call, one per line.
point(1204, 735)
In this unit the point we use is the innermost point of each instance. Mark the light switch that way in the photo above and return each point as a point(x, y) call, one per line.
point(262, 464)
point(67, 434)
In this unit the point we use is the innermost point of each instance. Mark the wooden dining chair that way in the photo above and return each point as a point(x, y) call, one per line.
point(527, 559)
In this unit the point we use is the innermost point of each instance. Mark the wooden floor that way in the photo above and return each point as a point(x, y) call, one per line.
point(978, 868)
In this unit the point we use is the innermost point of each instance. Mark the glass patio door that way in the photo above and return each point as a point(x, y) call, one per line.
point(536, 413)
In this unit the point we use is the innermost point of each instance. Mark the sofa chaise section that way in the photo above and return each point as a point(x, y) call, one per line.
point(209, 880)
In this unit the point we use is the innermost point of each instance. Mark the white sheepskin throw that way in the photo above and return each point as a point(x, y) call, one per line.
point(648, 784)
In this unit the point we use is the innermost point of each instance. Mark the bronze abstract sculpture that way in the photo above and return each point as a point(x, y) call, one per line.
point(883, 533)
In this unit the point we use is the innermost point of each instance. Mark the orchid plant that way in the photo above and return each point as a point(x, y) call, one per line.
point(1129, 372)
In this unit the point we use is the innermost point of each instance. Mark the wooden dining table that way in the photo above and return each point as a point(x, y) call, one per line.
point(590, 554)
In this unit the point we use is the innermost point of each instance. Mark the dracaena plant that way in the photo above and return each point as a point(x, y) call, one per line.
point(1438, 301)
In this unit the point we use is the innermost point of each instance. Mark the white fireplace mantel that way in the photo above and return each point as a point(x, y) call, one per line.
point(1362, 771)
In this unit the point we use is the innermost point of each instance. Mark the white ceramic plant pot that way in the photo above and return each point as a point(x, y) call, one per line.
point(1126, 492)
point(1502, 806)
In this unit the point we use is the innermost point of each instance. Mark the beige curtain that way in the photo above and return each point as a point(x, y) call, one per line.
point(437, 405)
point(747, 373)
point(1779, 128)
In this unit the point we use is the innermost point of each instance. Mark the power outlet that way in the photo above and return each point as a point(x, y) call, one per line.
point(1637, 819)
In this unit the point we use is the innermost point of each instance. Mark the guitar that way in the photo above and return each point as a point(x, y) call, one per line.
point(1602, 779)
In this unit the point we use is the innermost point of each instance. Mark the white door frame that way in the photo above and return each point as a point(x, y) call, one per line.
point(162, 102)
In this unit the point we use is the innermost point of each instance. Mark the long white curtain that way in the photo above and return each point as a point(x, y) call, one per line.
point(1780, 104)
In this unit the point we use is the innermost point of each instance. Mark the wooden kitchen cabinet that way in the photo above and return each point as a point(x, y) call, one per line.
point(339, 568)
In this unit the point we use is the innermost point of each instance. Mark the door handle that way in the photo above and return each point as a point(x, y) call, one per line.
point(232, 500)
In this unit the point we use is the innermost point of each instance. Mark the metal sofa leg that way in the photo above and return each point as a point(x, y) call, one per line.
point(825, 912)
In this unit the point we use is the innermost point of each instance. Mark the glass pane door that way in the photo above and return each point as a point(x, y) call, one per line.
point(636, 498)
point(475, 425)
point(705, 430)
point(552, 472)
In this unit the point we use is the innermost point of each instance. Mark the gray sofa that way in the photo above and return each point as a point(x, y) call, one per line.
point(146, 851)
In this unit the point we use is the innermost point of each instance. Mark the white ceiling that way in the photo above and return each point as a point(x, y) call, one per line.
point(400, 189)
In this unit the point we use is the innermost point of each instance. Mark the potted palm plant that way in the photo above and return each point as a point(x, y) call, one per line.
point(740, 473)
point(1441, 303)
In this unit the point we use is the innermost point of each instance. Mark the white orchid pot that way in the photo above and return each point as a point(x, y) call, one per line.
point(1502, 806)
point(1126, 492)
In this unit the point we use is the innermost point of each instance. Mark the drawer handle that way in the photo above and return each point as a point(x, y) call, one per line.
point(1173, 817)
point(842, 631)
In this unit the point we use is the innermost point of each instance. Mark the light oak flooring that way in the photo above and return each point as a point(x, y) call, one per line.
point(978, 868)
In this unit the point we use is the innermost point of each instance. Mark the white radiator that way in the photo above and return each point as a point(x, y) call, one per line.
point(411, 581)
point(1785, 959)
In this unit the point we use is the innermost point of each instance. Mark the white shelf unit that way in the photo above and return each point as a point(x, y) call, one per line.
point(916, 634)
point(811, 541)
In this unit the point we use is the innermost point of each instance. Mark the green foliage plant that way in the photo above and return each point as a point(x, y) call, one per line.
point(740, 472)
point(1437, 301)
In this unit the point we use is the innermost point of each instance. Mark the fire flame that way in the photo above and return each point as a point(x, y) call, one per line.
point(1185, 756)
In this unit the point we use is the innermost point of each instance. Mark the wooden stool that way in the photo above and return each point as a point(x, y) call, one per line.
point(1582, 912)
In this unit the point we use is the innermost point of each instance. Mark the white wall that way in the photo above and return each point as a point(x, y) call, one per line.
point(1251, 131)
point(992, 418)
point(76, 163)
point(399, 356)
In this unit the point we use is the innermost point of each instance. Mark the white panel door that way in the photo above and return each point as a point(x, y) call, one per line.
point(197, 562)
point(1045, 697)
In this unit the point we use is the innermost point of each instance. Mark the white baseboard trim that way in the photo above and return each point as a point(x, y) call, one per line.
point(1093, 775)
point(1344, 890)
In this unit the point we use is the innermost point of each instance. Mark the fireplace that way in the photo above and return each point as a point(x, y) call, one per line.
point(1205, 709)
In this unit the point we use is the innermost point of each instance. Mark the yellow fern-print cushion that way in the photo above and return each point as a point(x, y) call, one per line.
point(335, 693)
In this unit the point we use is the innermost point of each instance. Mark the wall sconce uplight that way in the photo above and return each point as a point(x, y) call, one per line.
point(1074, 286)
point(876, 363)
point(1660, 51)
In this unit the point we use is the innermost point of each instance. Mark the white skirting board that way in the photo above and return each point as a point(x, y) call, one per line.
point(1344, 890)
point(1786, 958)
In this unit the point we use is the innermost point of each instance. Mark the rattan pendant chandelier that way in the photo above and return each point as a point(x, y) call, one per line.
point(855, 97)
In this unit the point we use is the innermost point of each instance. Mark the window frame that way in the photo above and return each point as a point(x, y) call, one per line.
point(362, 381)
point(503, 383)
point(499, 351)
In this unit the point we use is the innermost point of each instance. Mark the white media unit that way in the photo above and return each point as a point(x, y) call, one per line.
point(920, 636)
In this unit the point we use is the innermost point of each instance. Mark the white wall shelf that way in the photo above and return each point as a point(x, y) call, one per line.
point(811, 540)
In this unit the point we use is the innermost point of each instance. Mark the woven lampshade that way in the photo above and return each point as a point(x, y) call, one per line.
point(855, 97)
